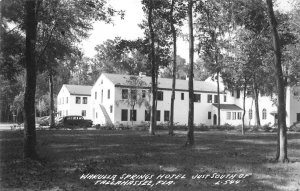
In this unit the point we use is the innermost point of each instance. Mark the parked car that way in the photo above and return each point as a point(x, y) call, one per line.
point(74, 121)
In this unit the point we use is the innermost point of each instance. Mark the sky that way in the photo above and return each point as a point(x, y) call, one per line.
point(128, 28)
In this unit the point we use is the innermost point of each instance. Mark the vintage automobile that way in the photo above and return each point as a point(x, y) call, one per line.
point(74, 121)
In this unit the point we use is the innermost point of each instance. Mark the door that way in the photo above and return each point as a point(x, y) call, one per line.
point(215, 119)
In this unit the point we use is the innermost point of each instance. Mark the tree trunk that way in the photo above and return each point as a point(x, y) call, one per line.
point(190, 134)
point(171, 127)
point(219, 106)
point(30, 88)
point(153, 73)
point(256, 94)
point(52, 120)
point(244, 108)
point(282, 155)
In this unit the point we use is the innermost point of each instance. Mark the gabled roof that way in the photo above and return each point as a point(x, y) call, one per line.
point(120, 80)
point(228, 106)
point(79, 89)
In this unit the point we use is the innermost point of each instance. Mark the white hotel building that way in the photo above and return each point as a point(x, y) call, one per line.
point(74, 100)
point(109, 94)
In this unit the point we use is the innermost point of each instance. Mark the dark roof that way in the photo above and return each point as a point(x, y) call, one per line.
point(228, 106)
point(120, 80)
point(79, 89)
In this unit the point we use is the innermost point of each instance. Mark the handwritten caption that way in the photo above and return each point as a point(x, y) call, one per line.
point(160, 179)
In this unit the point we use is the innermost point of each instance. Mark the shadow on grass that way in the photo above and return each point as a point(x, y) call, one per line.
point(69, 154)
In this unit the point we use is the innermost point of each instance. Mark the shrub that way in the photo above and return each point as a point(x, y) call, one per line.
point(224, 127)
point(202, 127)
point(295, 127)
point(266, 128)
point(253, 128)
point(97, 126)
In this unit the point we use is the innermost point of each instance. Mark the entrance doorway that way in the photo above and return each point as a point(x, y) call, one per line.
point(215, 119)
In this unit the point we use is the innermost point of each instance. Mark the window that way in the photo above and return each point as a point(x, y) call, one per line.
point(209, 98)
point(124, 93)
point(225, 98)
point(209, 115)
point(108, 94)
point(78, 100)
point(239, 115)
point(238, 93)
point(132, 115)
point(111, 109)
point(143, 93)
point(84, 100)
point(232, 93)
point(264, 114)
point(133, 94)
point(160, 95)
point(216, 98)
point(96, 115)
point(63, 100)
point(101, 96)
point(66, 112)
point(167, 116)
point(182, 96)
point(95, 95)
point(157, 115)
point(228, 115)
point(250, 113)
point(67, 100)
point(124, 115)
point(101, 81)
point(233, 115)
point(83, 113)
point(197, 97)
point(298, 117)
point(147, 115)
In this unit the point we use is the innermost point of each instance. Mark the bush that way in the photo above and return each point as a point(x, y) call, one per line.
point(104, 127)
point(295, 127)
point(267, 128)
point(202, 127)
point(121, 127)
point(225, 127)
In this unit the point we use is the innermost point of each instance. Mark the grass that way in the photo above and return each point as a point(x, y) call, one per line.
point(67, 155)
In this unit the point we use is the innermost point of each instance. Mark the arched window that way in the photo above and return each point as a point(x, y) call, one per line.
point(264, 114)
point(250, 113)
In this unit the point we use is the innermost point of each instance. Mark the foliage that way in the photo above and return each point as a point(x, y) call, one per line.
point(121, 56)
point(138, 92)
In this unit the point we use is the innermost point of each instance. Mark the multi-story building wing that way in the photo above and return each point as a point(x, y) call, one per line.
point(111, 92)
point(74, 100)
point(123, 99)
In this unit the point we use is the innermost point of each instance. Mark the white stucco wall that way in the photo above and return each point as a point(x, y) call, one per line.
point(71, 108)
point(201, 109)
point(264, 102)
point(102, 84)
point(76, 109)
point(292, 105)
point(63, 108)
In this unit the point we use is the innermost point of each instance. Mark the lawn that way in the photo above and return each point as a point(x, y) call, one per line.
point(134, 160)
